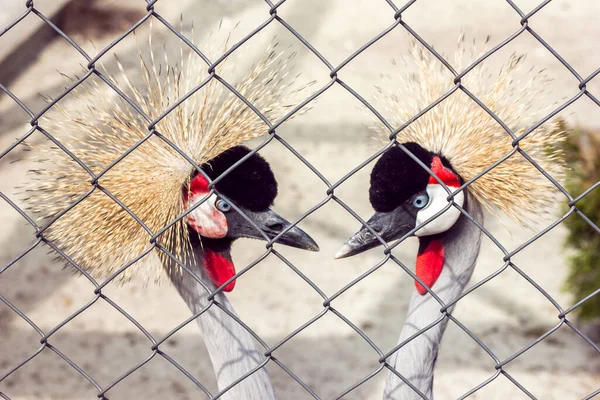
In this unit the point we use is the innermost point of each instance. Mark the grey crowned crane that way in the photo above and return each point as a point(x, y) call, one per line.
point(194, 227)
point(456, 140)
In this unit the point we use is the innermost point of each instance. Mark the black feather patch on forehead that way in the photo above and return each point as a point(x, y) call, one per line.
point(251, 184)
point(396, 177)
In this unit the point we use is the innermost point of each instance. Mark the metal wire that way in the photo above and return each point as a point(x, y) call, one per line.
point(497, 365)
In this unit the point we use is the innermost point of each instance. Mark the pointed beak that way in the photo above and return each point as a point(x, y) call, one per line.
point(388, 226)
point(271, 224)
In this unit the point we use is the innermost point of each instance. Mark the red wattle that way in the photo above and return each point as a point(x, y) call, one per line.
point(219, 269)
point(429, 265)
point(445, 175)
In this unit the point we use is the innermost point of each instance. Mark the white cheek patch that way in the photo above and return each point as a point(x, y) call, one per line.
point(437, 202)
point(206, 219)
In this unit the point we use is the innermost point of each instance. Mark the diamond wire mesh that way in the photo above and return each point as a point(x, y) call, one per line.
point(272, 17)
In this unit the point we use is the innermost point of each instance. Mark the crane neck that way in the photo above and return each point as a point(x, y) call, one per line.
point(416, 359)
point(231, 348)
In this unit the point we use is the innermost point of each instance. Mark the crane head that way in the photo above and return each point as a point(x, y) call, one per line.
point(250, 188)
point(405, 196)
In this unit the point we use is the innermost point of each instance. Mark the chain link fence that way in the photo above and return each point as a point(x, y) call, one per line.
point(156, 346)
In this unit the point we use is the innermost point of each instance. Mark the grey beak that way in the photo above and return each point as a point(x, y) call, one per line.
point(362, 240)
point(271, 224)
point(388, 225)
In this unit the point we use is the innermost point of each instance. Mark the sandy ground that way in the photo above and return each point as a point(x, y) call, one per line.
point(507, 313)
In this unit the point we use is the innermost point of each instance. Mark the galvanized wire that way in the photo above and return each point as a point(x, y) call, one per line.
point(497, 365)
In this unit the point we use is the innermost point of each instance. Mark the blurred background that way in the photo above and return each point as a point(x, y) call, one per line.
point(507, 313)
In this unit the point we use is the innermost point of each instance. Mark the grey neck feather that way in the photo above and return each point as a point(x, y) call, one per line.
point(232, 349)
point(416, 359)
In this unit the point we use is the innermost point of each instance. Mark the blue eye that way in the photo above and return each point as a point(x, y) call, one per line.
point(223, 205)
point(420, 201)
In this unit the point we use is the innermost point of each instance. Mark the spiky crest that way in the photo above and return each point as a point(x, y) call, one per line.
point(97, 233)
point(471, 140)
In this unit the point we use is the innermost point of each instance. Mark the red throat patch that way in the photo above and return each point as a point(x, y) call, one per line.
point(429, 264)
point(445, 175)
point(219, 269)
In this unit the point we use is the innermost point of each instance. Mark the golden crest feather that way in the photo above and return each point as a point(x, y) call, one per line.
point(97, 233)
point(463, 132)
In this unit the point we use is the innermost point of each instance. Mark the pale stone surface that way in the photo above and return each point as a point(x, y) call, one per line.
point(10, 10)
